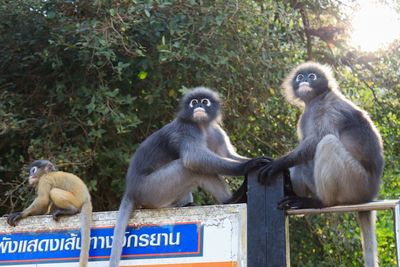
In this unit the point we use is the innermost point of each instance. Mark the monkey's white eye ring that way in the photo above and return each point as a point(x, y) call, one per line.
point(33, 170)
point(299, 78)
point(312, 76)
point(206, 102)
point(193, 102)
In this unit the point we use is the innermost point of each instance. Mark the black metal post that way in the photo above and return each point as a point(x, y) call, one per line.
point(267, 235)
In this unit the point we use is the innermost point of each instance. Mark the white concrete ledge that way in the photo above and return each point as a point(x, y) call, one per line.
point(205, 236)
point(143, 216)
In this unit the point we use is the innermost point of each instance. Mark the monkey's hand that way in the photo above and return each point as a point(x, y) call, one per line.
point(13, 218)
point(256, 163)
point(270, 171)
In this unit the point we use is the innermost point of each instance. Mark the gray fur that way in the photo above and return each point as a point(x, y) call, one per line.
point(41, 163)
point(176, 159)
point(339, 158)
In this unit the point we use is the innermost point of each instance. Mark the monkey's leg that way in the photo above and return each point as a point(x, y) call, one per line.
point(217, 187)
point(186, 200)
point(65, 202)
point(162, 188)
point(302, 180)
point(57, 213)
point(166, 185)
point(288, 185)
point(339, 177)
point(240, 195)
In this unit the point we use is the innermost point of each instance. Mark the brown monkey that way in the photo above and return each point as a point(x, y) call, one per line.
point(59, 193)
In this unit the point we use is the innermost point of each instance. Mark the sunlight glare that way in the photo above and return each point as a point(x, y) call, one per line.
point(374, 26)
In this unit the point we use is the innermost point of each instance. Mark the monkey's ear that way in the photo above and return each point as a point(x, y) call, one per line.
point(50, 167)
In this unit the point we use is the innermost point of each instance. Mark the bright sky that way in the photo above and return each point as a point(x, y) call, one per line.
point(374, 26)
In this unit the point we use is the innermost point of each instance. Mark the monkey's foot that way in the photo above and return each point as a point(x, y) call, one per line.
point(190, 204)
point(295, 202)
point(56, 215)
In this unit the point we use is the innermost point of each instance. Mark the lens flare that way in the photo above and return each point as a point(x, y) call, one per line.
point(374, 26)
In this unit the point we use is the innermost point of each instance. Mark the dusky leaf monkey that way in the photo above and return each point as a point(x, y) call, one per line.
point(59, 193)
point(192, 150)
point(339, 158)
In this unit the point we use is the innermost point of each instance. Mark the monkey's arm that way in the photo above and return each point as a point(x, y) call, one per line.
point(196, 156)
point(204, 161)
point(225, 146)
point(304, 152)
point(39, 205)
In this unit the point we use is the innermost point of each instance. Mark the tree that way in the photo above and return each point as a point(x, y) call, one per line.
point(80, 82)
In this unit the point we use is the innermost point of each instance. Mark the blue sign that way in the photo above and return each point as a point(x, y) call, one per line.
point(144, 241)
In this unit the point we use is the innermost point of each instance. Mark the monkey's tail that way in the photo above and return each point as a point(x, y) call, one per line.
point(124, 212)
point(86, 221)
point(367, 222)
point(240, 195)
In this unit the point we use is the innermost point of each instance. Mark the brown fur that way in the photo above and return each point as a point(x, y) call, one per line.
point(61, 190)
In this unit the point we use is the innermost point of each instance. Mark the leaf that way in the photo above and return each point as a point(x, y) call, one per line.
point(219, 19)
point(142, 75)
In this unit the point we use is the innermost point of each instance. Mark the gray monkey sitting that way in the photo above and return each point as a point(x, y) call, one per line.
point(192, 150)
point(339, 159)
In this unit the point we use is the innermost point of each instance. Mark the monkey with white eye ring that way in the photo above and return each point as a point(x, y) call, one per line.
point(193, 150)
point(339, 159)
point(62, 193)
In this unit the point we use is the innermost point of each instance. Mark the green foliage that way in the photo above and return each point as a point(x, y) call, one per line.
point(82, 83)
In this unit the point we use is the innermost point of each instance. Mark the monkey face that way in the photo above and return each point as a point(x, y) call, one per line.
point(200, 105)
point(37, 169)
point(309, 82)
point(34, 175)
